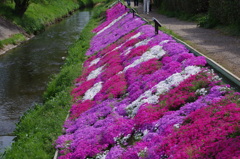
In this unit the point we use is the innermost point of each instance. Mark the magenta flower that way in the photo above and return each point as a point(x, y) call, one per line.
point(144, 96)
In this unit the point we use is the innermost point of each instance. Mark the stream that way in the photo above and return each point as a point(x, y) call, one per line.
point(26, 70)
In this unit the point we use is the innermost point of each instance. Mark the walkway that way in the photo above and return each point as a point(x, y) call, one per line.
point(223, 49)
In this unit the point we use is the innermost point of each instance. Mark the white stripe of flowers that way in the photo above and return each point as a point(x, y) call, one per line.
point(154, 52)
point(144, 42)
point(160, 88)
point(90, 93)
point(163, 42)
point(155, 49)
point(95, 73)
point(95, 61)
point(111, 24)
point(133, 37)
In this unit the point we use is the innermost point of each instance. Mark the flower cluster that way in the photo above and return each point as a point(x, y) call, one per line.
point(110, 34)
point(210, 132)
point(144, 96)
point(112, 15)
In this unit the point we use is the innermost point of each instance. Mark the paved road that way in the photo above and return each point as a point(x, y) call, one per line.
point(223, 49)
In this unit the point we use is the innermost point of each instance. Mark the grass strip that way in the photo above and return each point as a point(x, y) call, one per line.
point(38, 15)
point(14, 40)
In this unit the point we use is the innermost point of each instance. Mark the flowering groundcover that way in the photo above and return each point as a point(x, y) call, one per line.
point(144, 96)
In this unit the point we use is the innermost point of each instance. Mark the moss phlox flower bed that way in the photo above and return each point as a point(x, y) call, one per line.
point(145, 96)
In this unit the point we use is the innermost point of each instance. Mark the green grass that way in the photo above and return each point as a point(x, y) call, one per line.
point(39, 14)
point(170, 32)
point(39, 127)
point(14, 39)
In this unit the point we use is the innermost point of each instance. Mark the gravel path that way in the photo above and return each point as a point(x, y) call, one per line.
point(223, 49)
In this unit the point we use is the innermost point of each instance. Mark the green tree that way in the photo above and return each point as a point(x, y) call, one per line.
point(21, 6)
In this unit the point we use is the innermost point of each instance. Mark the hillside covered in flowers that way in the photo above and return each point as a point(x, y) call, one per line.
point(145, 96)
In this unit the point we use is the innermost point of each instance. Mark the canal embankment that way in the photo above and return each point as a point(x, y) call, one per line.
point(15, 29)
point(40, 125)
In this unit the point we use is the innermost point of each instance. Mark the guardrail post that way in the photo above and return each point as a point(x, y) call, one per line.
point(133, 11)
point(157, 24)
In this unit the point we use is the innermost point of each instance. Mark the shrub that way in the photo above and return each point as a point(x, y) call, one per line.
point(185, 6)
point(225, 12)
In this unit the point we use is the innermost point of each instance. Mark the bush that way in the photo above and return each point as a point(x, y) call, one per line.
point(225, 12)
point(186, 6)
point(14, 39)
point(39, 13)
point(87, 3)
point(212, 12)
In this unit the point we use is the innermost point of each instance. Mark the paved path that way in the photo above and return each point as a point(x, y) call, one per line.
point(223, 49)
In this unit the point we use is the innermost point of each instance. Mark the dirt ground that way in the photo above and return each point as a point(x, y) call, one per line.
point(223, 49)
point(7, 29)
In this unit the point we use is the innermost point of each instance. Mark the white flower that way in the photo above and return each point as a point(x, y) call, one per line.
point(176, 126)
point(90, 93)
point(95, 61)
point(122, 140)
point(201, 91)
point(154, 52)
point(129, 49)
point(164, 41)
point(111, 24)
point(102, 155)
point(217, 78)
point(144, 42)
point(145, 132)
point(135, 36)
point(163, 86)
point(95, 73)
point(142, 152)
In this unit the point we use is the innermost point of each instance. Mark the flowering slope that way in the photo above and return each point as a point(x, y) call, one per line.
point(142, 95)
